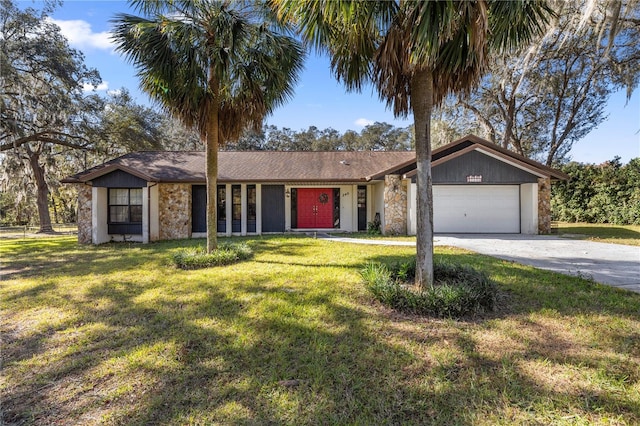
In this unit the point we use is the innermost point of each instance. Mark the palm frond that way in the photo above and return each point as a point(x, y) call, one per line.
point(387, 42)
point(197, 55)
point(349, 31)
point(516, 24)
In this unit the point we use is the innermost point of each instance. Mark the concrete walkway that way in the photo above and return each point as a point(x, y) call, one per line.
point(613, 264)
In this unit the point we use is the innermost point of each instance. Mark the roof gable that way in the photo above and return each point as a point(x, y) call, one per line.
point(476, 164)
point(470, 143)
point(119, 179)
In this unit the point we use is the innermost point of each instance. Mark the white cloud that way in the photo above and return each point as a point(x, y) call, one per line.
point(81, 36)
point(363, 122)
point(86, 87)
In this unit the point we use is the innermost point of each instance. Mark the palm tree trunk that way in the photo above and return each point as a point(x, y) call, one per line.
point(422, 105)
point(42, 191)
point(211, 154)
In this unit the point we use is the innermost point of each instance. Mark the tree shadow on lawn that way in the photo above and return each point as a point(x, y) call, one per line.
point(31, 258)
point(33, 292)
point(247, 351)
point(76, 260)
point(110, 335)
point(537, 382)
point(563, 342)
point(529, 289)
point(166, 362)
point(311, 263)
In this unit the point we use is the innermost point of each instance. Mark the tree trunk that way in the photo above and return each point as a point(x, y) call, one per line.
point(42, 198)
point(56, 218)
point(422, 105)
point(211, 154)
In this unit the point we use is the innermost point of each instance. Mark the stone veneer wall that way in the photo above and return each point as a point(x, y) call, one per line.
point(84, 213)
point(544, 205)
point(395, 206)
point(174, 205)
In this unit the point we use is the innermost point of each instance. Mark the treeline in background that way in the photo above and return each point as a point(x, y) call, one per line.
point(599, 193)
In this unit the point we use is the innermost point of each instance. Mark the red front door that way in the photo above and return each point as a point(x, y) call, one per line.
point(315, 208)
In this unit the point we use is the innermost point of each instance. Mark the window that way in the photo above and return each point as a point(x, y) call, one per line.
point(362, 208)
point(251, 208)
point(222, 208)
point(236, 208)
point(125, 205)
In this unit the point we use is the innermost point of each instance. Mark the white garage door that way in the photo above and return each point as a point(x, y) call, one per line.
point(476, 208)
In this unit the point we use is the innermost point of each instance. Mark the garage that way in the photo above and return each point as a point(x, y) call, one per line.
point(481, 188)
point(476, 209)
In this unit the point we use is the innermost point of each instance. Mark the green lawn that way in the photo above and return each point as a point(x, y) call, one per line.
point(366, 236)
point(115, 334)
point(617, 234)
point(606, 233)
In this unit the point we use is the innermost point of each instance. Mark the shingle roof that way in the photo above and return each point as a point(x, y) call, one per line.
point(252, 166)
point(293, 166)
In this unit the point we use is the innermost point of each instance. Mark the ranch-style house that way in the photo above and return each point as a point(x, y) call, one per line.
point(478, 187)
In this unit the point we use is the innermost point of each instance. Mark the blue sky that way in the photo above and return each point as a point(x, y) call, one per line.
point(319, 100)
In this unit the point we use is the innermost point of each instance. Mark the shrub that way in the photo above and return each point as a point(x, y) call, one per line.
point(225, 254)
point(458, 290)
point(404, 271)
point(373, 228)
point(604, 193)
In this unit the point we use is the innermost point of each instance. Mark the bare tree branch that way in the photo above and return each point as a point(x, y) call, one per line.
point(48, 137)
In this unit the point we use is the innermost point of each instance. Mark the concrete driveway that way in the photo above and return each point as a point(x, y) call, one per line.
point(612, 264)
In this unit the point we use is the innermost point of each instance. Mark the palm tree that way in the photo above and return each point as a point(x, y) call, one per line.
point(415, 54)
point(218, 66)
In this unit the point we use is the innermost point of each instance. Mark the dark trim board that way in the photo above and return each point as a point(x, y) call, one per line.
point(118, 179)
point(124, 228)
point(198, 208)
point(272, 208)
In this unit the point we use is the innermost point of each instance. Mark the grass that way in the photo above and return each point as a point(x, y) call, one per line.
point(116, 334)
point(198, 258)
point(459, 291)
point(30, 231)
point(606, 233)
point(366, 236)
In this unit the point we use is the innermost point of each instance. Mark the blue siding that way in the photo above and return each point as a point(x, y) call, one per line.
point(125, 228)
point(119, 179)
point(492, 170)
point(272, 208)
